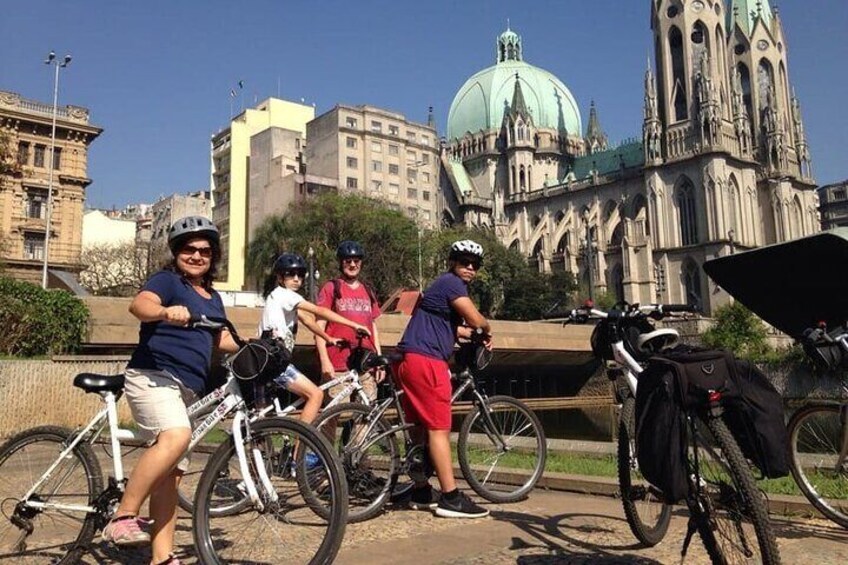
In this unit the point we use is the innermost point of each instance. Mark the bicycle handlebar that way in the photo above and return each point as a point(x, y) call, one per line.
point(216, 324)
point(655, 311)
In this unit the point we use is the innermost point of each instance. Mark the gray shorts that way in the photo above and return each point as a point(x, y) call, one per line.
point(158, 403)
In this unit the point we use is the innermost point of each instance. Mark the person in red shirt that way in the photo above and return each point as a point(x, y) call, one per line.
point(352, 299)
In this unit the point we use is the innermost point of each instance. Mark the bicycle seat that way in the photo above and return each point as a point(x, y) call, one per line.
point(90, 382)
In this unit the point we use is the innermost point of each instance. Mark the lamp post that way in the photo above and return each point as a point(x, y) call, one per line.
point(313, 275)
point(589, 258)
point(51, 60)
point(417, 165)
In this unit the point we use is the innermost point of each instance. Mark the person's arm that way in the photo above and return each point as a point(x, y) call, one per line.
point(225, 342)
point(465, 308)
point(327, 369)
point(147, 307)
point(330, 316)
point(312, 324)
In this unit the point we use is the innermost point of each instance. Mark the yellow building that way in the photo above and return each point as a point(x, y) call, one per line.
point(230, 151)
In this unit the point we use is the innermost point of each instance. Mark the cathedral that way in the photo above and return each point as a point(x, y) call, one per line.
point(721, 165)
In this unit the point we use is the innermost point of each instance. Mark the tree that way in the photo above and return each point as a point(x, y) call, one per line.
point(738, 330)
point(114, 270)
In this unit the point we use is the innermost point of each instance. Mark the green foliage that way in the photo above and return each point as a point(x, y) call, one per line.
point(506, 288)
point(37, 321)
point(738, 330)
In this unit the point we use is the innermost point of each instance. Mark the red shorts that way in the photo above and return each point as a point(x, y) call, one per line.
point(426, 383)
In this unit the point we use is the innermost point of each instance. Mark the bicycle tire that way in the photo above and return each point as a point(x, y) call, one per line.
point(816, 436)
point(368, 490)
point(647, 515)
point(293, 533)
point(79, 477)
point(728, 506)
point(474, 441)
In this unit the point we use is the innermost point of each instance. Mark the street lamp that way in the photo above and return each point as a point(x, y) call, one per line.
point(51, 60)
point(417, 165)
point(313, 275)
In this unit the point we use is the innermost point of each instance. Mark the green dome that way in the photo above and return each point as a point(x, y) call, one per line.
point(484, 98)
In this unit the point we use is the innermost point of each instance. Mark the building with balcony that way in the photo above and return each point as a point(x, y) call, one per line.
point(379, 154)
point(721, 164)
point(24, 194)
point(230, 178)
point(833, 205)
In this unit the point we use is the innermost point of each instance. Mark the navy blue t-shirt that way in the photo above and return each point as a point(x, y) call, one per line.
point(186, 353)
point(432, 329)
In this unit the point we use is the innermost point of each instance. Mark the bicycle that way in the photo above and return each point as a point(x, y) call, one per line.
point(53, 499)
point(351, 387)
point(818, 433)
point(723, 499)
point(366, 440)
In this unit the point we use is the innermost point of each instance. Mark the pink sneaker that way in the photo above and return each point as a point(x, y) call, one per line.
point(126, 531)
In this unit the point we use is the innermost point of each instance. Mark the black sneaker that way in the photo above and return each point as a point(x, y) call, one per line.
point(367, 485)
point(460, 507)
point(424, 498)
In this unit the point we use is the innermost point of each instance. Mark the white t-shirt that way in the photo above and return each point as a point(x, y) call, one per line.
point(280, 314)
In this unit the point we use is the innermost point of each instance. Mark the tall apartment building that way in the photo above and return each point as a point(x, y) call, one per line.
point(380, 154)
point(23, 195)
point(833, 205)
point(230, 173)
point(165, 212)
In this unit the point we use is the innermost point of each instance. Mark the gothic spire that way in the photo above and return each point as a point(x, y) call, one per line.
point(595, 136)
point(519, 107)
point(746, 13)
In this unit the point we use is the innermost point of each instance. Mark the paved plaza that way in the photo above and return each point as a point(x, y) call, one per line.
point(550, 527)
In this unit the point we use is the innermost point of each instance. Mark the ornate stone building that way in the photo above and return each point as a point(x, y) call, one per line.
point(23, 196)
point(722, 164)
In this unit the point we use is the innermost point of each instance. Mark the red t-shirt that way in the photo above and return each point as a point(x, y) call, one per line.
point(356, 305)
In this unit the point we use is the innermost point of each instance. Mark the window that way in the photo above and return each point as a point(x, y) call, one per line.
point(394, 130)
point(412, 175)
point(377, 166)
point(425, 140)
point(38, 160)
point(394, 169)
point(688, 219)
point(36, 205)
point(410, 136)
point(376, 186)
point(23, 153)
point(412, 211)
point(425, 195)
point(839, 194)
point(411, 193)
point(410, 156)
point(350, 142)
point(33, 246)
point(425, 159)
point(393, 149)
point(57, 158)
point(427, 215)
point(376, 147)
point(352, 182)
point(376, 127)
point(350, 122)
point(352, 163)
point(394, 188)
point(425, 176)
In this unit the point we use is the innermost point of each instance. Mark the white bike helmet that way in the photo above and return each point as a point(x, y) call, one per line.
point(465, 247)
point(656, 341)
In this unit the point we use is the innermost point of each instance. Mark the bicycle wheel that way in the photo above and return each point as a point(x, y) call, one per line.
point(370, 459)
point(56, 536)
point(729, 511)
point(281, 527)
point(647, 515)
point(228, 495)
point(818, 436)
point(502, 449)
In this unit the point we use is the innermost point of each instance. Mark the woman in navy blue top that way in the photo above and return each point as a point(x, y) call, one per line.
point(167, 372)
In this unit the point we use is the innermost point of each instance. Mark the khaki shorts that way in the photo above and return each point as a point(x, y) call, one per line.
point(158, 403)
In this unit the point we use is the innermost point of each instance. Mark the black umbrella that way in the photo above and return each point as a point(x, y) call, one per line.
point(793, 285)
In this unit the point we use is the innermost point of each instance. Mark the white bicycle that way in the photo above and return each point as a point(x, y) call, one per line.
point(53, 499)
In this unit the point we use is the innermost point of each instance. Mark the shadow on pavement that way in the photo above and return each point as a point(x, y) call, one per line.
point(573, 538)
point(797, 529)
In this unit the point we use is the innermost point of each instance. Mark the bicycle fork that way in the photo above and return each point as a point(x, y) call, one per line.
point(269, 494)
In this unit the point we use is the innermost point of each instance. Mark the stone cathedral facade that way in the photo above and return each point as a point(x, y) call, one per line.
point(722, 163)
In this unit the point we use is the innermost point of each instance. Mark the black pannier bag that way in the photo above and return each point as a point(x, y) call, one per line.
point(257, 363)
point(755, 418)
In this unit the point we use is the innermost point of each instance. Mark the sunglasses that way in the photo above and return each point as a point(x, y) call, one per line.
point(190, 250)
point(352, 260)
point(469, 263)
point(299, 273)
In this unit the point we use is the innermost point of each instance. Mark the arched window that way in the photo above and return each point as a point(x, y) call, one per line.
point(688, 217)
point(617, 235)
point(640, 215)
point(692, 283)
point(797, 217)
point(678, 74)
point(765, 83)
point(745, 77)
point(734, 221)
point(559, 216)
point(537, 219)
point(564, 242)
point(617, 282)
point(521, 132)
point(522, 179)
point(537, 249)
point(700, 44)
point(515, 246)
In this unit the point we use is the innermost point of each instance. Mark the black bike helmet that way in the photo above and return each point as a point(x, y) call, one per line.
point(190, 227)
point(349, 249)
point(289, 262)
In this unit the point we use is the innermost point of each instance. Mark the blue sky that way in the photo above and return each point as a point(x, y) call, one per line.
point(156, 75)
